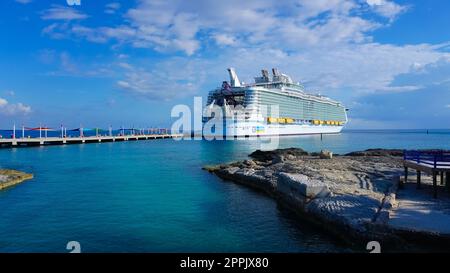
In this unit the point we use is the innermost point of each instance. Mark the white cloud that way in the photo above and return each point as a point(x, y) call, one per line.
point(409, 108)
point(161, 81)
point(66, 13)
point(103, 34)
point(311, 9)
point(56, 31)
point(125, 65)
point(112, 8)
point(10, 109)
point(3, 102)
point(356, 68)
point(404, 88)
point(387, 8)
point(122, 56)
point(66, 64)
point(224, 39)
point(326, 44)
point(347, 72)
point(179, 25)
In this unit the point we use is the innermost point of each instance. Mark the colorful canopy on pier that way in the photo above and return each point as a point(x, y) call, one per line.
point(40, 129)
point(86, 129)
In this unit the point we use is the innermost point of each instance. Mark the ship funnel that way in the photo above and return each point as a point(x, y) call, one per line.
point(234, 80)
point(275, 72)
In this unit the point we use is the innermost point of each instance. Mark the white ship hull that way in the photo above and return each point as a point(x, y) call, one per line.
point(252, 129)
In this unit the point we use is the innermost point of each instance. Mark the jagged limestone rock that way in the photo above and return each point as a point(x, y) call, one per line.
point(301, 184)
point(349, 196)
point(325, 154)
point(9, 178)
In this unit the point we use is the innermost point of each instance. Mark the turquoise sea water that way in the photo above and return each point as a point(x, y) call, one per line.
point(152, 196)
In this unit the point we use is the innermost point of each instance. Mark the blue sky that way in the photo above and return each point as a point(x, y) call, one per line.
point(129, 62)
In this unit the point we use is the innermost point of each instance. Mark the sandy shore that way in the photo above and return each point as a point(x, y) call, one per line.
point(354, 196)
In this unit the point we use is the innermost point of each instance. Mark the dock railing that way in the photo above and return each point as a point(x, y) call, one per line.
point(432, 158)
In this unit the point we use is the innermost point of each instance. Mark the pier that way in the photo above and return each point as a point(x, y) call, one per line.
point(14, 142)
point(433, 162)
point(82, 135)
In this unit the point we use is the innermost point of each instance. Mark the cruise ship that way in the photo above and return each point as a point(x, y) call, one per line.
point(272, 105)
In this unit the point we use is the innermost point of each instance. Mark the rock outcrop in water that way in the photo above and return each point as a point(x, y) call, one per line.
point(9, 178)
point(349, 195)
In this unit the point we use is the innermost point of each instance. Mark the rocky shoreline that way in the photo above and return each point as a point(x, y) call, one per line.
point(351, 196)
point(9, 178)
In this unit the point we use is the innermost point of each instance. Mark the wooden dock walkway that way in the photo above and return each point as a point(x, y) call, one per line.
point(432, 162)
point(27, 142)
